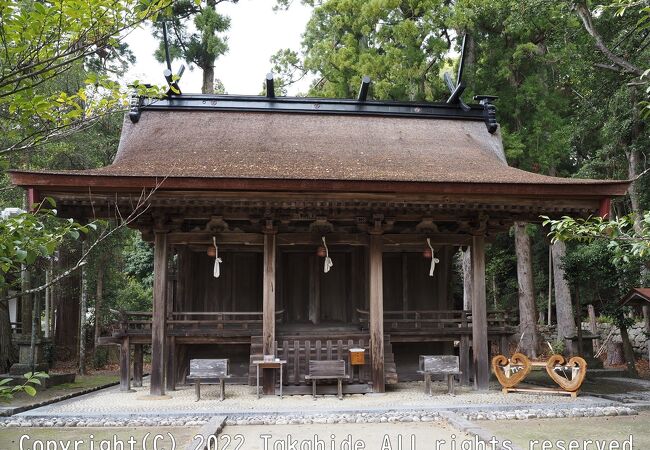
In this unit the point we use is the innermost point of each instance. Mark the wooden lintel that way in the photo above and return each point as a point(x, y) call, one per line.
point(287, 239)
point(421, 239)
point(205, 237)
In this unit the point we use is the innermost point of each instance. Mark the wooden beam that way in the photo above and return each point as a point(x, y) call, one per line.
point(405, 288)
point(479, 315)
point(419, 241)
point(170, 364)
point(376, 314)
point(268, 308)
point(158, 325)
point(205, 237)
point(289, 239)
point(81, 182)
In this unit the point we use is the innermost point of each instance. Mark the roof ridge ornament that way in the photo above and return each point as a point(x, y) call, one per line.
point(489, 111)
point(363, 90)
point(172, 80)
point(457, 89)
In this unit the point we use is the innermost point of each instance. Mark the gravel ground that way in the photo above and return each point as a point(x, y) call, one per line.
point(241, 399)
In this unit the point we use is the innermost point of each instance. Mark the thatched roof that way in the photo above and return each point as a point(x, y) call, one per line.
point(285, 146)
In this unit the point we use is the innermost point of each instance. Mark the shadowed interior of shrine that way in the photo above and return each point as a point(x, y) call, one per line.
point(318, 314)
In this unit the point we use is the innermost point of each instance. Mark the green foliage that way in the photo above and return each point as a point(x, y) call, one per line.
point(626, 237)
point(26, 237)
point(7, 392)
point(139, 260)
point(558, 347)
point(100, 357)
point(400, 45)
point(597, 277)
point(195, 34)
point(45, 40)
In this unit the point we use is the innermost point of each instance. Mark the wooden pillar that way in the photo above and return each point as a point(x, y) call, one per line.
point(137, 365)
point(268, 309)
point(464, 359)
point(405, 284)
point(170, 366)
point(376, 313)
point(158, 332)
point(479, 315)
point(125, 365)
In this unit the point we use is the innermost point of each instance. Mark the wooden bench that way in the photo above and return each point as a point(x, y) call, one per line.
point(439, 365)
point(327, 370)
point(209, 371)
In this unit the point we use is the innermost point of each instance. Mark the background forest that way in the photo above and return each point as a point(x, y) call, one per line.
point(572, 85)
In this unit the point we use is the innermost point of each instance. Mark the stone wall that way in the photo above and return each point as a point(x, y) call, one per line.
point(637, 333)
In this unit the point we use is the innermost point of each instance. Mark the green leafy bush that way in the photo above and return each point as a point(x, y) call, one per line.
point(7, 392)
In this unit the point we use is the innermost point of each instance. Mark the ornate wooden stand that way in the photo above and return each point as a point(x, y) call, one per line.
point(511, 372)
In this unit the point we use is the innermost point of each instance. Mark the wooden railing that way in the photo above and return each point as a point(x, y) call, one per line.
point(139, 322)
point(438, 319)
point(219, 320)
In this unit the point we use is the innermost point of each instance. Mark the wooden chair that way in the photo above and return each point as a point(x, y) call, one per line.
point(448, 365)
point(209, 371)
point(327, 370)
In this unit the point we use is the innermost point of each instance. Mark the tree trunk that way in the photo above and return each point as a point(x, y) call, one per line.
point(99, 300)
point(35, 331)
point(628, 351)
point(208, 80)
point(65, 300)
point(83, 308)
point(467, 279)
point(7, 353)
point(48, 301)
point(614, 353)
point(25, 301)
point(593, 326)
point(566, 325)
point(646, 317)
point(527, 309)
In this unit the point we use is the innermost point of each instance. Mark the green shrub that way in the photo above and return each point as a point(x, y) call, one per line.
point(7, 392)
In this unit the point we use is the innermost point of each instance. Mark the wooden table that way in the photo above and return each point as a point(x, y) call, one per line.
point(268, 365)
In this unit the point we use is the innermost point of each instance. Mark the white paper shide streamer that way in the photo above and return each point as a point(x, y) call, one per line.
point(217, 260)
point(434, 260)
point(328, 261)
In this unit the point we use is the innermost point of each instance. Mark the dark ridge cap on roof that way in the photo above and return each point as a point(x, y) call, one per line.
point(313, 105)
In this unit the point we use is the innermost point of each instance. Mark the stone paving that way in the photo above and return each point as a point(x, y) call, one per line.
point(404, 403)
point(241, 399)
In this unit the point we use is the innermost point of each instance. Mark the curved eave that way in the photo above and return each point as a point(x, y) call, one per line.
point(81, 183)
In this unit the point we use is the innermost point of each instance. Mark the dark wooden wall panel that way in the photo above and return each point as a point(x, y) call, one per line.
point(295, 286)
point(239, 288)
point(334, 289)
point(421, 287)
point(392, 278)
